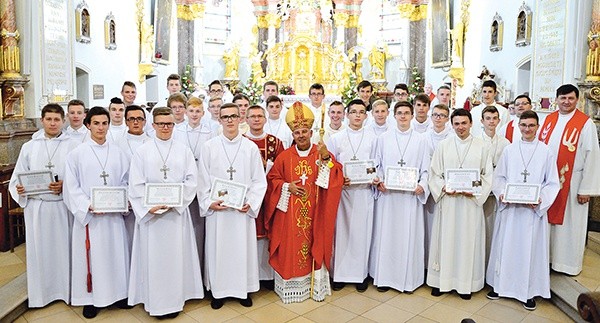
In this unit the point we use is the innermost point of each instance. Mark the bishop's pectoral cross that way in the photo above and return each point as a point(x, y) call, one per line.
point(303, 178)
point(165, 169)
point(104, 175)
point(525, 173)
point(401, 163)
point(49, 165)
point(231, 170)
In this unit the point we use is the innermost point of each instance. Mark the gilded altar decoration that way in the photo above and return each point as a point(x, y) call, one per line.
point(592, 66)
point(190, 11)
point(524, 26)
point(413, 11)
point(231, 58)
point(377, 57)
point(110, 39)
point(146, 39)
point(82, 23)
point(496, 33)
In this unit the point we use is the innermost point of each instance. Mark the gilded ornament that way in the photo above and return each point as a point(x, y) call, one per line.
point(190, 11)
point(341, 19)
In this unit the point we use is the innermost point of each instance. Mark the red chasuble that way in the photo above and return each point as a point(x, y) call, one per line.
point(306, 230)
point(566, 158)
point(509, 131)
point(270, 147)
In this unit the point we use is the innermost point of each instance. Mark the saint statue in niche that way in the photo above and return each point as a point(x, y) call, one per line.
point(521, 26)
point(494, 41)
point(112, 33)
point(85, 23)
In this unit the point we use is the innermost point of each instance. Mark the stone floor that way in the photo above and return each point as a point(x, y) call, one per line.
point(346, 305)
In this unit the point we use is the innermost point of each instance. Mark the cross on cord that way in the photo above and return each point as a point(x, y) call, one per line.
point(104, 175)
point(50, 165)
point(165, 169)
point(401, 163)
point(231, 170)
point(303, 178)
point(525, 173)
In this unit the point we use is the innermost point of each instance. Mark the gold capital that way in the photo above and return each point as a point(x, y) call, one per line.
point(190, 11)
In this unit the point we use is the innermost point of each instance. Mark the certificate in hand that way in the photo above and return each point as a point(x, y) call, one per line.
point(360, 171)
point(401, 178)
point(169, 194)
point(106, 199)
point(233, 194)
point(522, 193)
point(466, 180)
point(36, 182)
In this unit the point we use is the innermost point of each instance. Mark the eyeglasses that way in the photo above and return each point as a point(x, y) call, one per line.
point(164, 124)
point(530, 126)
point(316, 94)
point(136, 119)
point(229, 117)
point(255, 117)
point(216, 91)
point(357, 112)
point(405, 113)
point(439, 115)
point(401, 94)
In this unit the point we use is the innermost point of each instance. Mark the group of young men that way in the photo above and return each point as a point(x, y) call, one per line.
point(274, 204)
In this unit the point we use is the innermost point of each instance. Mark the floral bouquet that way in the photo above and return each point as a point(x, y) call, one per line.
point(286, 90)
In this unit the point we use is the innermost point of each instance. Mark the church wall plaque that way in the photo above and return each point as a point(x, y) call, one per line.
point(549, 48)
point(57, 55)
point(440, 24)
point(98, 90)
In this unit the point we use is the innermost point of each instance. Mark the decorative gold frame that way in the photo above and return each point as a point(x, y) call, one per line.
point(496, 33)
point(110, 32)
point(524, 24)
point(440, 39)
point(83, 23)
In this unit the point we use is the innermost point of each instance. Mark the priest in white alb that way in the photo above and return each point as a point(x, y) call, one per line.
point(354, 221)
point(457, 249)
point(47, 222)
point(165, 268)
point(573, 137)
point(231, 259)
point(397, 252)
point(100, 249)
point(518, 266)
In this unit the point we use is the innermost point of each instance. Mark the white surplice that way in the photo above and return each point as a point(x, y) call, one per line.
point(109, 250)
point(567, 241)
point(78, 135)
point(379, 129)
point(116, 133)
point(457, 249)
point(129, 144)
point(231, 260)
point(477, 127)
point(518, 265)
point(397, 252)
point(279, 129)
point(47, 222)
point(165, 268)
point(421, 127)
point(354, 221)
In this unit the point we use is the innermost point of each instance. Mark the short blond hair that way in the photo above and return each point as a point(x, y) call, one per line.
point(194, 101)
point(378, 103)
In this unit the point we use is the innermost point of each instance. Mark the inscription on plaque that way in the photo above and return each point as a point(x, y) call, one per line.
point(98, 91)
point(57, 61)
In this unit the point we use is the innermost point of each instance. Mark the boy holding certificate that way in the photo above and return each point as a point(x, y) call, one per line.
point(354, 147)
point(397, 252)
point(47, 221)
point(518, 266)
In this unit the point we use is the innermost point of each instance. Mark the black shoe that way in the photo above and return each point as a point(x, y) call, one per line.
point(90, 311)
point(492, 295)
point(122, 304)
point(168, 316)
point(435, 292)
point(216, 303)
point(465, 296)
point(382, 289)
point(268, 284)
point(247, 302)
point(530, 305)
point(338, 286)
point(362, 287)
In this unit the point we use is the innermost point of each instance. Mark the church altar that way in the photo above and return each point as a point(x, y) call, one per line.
point(288, 100)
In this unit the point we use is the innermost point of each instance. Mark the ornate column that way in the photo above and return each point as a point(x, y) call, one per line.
point(273, 22)
point(190, 25)
point(352, 27)
point(340, 17)
point(416, 12)
point(11, 79)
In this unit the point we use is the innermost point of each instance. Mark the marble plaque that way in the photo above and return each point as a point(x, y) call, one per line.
point(57, 55)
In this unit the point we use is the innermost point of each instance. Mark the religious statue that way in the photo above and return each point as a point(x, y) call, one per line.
point(377, 57)
point(457, 44)
point(232, 60)
point(256, 65)
point(147, 42)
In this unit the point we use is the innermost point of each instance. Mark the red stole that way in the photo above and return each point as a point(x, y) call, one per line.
point(509, 131)
point(305, 232)
point(567, 150)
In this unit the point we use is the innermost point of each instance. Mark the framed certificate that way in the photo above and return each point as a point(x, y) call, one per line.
point(36, 182)
point(169, 194)
point(401, 178)
point(522, 193)
point(466, 180)
point(360, 171)
point(233, 194)
point(106, 199)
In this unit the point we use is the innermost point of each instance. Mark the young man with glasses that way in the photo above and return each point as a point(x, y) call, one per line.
point(519, 263)
point(510, 130)
point(397, 253)
point(400, 93)
point(316, 94)
point(176, 103)
point(165, 268)
point(354, 221)
point(231, 247)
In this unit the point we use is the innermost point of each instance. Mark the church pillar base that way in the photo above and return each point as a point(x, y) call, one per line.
point(13, 134)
